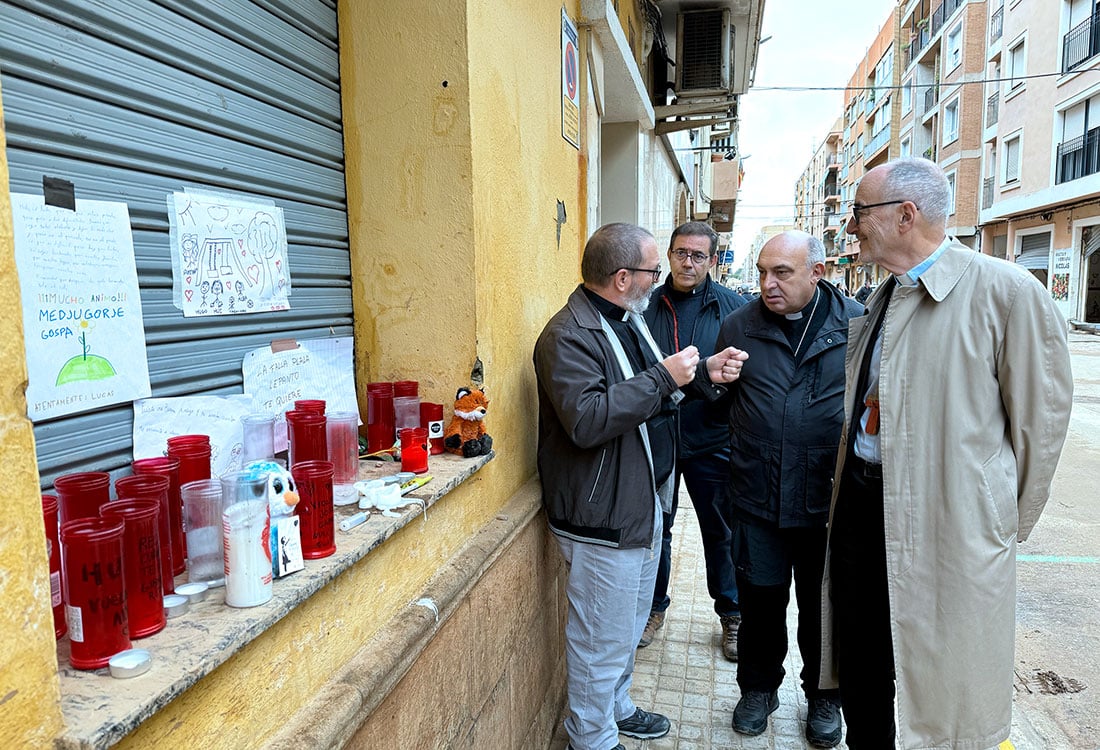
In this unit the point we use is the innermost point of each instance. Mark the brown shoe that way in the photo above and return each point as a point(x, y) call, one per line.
point(730, 623)
point(656, 620)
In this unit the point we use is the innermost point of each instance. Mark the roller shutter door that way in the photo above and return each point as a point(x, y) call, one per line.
point(132, 100)
point(1035, 251)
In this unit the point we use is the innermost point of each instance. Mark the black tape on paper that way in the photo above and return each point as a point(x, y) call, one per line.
point(59, 193)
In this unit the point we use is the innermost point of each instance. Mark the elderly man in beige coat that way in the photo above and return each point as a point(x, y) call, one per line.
point(956, 408)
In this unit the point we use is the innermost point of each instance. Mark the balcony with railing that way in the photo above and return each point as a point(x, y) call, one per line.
point(877, 142)
point(992, 109)
point(1081, 42)
point(987, 192)
point(930, 153)
point(931, 96)
point(1079, 157)
point(869, 104)
point(996, 24)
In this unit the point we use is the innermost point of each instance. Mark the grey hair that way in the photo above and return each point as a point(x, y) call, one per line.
point(815, 251)
point(695, 229)
point(611, 247)
point(921, 181)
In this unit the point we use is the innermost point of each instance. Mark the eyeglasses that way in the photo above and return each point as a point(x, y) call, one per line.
point(697, 258)
point(654, 272)
point(856, 208)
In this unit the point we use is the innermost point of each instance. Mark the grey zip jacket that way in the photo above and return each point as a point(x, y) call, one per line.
point(594, 458)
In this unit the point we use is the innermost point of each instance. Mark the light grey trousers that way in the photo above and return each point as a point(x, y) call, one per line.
point(610, 591)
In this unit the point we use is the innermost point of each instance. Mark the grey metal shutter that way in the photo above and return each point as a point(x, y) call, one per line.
point(131, 100)
point(1034, 251)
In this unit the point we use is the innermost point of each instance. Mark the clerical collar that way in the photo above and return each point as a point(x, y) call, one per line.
point(798, 315)
point(606, 307)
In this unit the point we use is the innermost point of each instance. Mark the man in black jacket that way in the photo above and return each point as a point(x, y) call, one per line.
point(687, 310)
point(786, 413)
point(606, 453)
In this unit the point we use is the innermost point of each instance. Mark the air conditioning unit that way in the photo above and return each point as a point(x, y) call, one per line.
point(830, 209)
point(704, 43)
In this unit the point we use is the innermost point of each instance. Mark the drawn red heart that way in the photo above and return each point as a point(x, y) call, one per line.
point(188, 279)
point(278, 263)
point(253, 273)
point(188, 293)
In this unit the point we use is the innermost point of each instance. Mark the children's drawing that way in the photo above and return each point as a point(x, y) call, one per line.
point(85, 341)
point(230, 255)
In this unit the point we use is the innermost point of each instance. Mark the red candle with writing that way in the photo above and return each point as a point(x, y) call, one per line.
point(155, 487)
point(314, 508)
point(141, 563)
point(167, 466)
point(53, 549)
point(93, 584)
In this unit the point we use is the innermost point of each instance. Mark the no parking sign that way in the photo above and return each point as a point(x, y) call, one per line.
point(570, 88)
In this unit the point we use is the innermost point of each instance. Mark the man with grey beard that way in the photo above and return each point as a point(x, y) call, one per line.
point(606, 454)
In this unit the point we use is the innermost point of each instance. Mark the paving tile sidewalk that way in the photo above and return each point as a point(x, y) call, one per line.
point(683, 675)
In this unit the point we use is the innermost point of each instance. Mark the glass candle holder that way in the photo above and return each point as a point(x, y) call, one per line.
point(169, 467)
point(79, 495)
point(141, 563)
point(156, 487)
point(381, 432)
point(308, 437)
point(431, 418)
point(94, 590)
point(342, 434)
point(53, 550)
point(202, 521)
point(258, 437)
point(414, 449)
point(246, 534)
point(314, 508)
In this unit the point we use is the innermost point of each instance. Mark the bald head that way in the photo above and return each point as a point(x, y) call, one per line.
point(790, 265)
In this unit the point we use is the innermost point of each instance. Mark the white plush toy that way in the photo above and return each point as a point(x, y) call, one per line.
point(282, 493)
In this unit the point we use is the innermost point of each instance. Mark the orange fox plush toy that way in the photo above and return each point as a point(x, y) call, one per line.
point(465, 435)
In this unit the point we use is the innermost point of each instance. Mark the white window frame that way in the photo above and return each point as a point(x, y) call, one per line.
point(1002, 167)
point(949, 64)
point(906, 146)
point(907, 97)
point(951, 137)
point(1013, 85)
point(952, 190)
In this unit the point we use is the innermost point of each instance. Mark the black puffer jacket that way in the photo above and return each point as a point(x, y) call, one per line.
point(703, 429)
point(786, 418)
point(597, 479)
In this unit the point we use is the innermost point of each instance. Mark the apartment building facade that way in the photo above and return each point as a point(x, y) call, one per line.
point(1040, 203)
point(817, 208)
point(943, 102)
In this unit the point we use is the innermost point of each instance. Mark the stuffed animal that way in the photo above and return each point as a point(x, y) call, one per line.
point(465, 435)
point(282, 494)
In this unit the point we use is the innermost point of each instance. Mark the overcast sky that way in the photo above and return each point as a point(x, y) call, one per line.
point(812, 44)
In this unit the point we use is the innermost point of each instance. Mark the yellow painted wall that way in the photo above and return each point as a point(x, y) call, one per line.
point(455, 163)
point(29, 709)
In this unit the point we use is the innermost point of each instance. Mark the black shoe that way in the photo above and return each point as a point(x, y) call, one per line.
point(823, 723)
point(750, 715)
point(644, 725)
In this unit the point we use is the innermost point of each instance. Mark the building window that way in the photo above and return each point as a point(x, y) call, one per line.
point(951, 121)
point(951, 192)
point(907, 97)
point(1017, 66)
point(906, 146)
point(1076, 152)
point(954, 49)
point(1012, 159)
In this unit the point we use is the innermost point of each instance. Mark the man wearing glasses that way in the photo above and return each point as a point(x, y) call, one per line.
point(957, 404)
point(606, 454)
point(687, 310)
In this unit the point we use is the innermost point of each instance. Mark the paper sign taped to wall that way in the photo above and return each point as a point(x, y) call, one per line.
point(82, 323)
point(318, 368)
point(157, 419)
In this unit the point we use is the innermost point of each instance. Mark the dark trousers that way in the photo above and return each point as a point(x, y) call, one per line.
point(707, 480)
point(861, 603)
point(766, 558)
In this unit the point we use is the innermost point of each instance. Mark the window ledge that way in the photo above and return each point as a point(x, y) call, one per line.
point(99, 710)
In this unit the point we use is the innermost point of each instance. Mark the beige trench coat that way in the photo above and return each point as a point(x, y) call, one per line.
point(975, 394)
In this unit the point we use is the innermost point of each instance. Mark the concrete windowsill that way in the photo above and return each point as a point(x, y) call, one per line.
point(99, 710)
